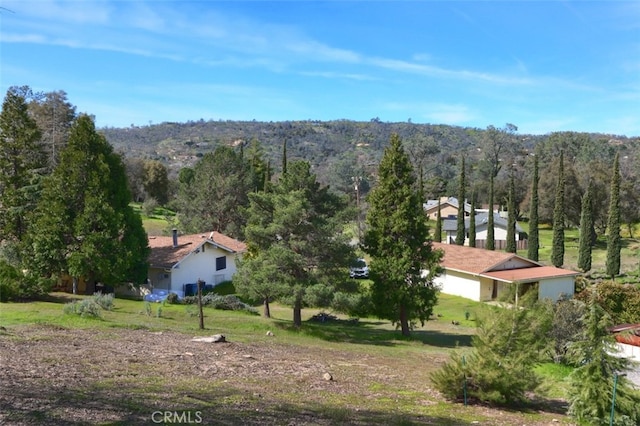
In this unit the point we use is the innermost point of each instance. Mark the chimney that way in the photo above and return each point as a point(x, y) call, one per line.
point(175, 237)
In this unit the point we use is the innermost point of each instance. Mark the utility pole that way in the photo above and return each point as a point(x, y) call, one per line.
point(356, 183)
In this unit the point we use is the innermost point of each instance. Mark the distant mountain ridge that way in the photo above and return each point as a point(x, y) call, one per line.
point(322, 143)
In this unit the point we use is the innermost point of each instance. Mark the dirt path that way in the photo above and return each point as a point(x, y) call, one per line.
point(55, 376)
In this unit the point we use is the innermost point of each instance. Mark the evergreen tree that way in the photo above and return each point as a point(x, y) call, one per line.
point(460, 229)
point(83, 225)
point(55, 116)
point(534, 241)
point(491, 239)
point(591, 384)
point(472, 221)
point(296, 252)
point(438, 231)
point(511, 220)
point(614, 242)
point(507, 345)
point(397, 239)
point(284, 157)
point(215, 199)
point(156, 181)
point(21, 164)
point(265, 276)
point(557, 245)
point(586, 227)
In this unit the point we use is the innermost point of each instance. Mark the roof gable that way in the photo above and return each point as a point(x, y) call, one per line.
point(477, 261)
point(165, 255)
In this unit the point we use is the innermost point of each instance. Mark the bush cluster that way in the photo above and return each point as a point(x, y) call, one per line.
point(90, 307)
point(228, 302)
point(105, 301)
point(84, 308)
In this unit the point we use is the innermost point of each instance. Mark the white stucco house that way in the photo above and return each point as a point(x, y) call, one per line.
point(485, 275)
point(177, 262)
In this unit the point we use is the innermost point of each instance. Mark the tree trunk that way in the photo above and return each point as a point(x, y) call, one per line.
point(267, 312)
point(297, 313)
point(74, 280)
point(404, 322)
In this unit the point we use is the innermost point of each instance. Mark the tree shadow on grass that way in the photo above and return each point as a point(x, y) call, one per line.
point(368, 333)
point(123, 404)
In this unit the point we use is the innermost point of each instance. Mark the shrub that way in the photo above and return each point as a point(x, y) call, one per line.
point(9, 282)
point(172, 299)
point(149, 206)
point(499, 369)
point(147, 308)
point(227, 302)
point(105, 301)
point(84, 308)
point(356, 305)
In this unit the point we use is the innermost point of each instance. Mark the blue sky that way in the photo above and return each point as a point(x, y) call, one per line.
point(544, 66)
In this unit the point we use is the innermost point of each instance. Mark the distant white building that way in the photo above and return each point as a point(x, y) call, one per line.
point(450, 228)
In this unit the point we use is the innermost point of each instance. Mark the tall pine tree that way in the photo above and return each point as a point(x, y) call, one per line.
point(557, 245)
point(460, 229)
point(84, 226)
point(614, 242)
point(22, 162)
point(397, 239)
point(586, 227)
point(296, 252)
point(534, 241)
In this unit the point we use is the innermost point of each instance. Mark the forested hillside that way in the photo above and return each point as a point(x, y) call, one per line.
point(341, 149)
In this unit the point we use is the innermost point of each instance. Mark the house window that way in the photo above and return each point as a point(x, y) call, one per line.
point(221, 263)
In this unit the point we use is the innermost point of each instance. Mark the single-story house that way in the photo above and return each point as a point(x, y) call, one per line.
point(450, 228)
point(485, 275)
point(449, 207)
point(178, 262)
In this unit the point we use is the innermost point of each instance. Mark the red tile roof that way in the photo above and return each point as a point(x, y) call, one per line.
point(473, 260)
point(481, 262)
point(530, 274)
point(165, 255)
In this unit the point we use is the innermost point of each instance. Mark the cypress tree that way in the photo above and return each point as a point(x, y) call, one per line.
point(534, 242)
point(511, 220)
point(460, 230)
point(557, 245)
point(491, 239)
point(438, 230)
point(472, 221)
point(284, 157)
point(586, 225)
point(614, 242)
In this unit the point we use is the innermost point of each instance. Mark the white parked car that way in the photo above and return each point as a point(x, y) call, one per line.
point(359, 269)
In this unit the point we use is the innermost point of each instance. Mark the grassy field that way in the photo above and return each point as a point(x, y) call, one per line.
point(379, 377)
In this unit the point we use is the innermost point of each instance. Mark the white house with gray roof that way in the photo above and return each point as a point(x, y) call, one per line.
point(450, 228)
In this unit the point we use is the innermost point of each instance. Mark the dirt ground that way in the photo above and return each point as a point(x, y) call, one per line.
point(55, 376)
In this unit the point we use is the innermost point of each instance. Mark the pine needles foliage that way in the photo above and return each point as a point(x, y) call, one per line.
point(590, 393)
point(499, 369)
